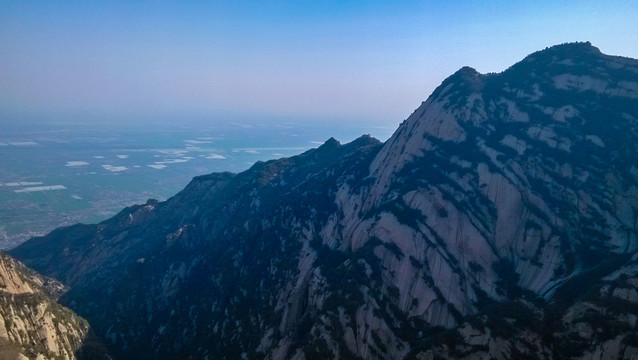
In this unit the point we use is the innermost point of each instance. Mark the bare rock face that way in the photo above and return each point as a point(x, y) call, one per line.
point(502, 169)
point(499, 221)
point(32, 324)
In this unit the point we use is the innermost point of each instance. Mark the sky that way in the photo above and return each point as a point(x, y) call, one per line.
point(368, 62)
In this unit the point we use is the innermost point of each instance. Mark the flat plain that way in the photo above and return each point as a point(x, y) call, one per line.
point(55, 175)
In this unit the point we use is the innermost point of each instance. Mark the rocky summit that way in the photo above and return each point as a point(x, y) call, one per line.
point(499, 221)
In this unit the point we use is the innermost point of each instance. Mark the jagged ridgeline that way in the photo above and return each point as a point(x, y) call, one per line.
point(499, 221)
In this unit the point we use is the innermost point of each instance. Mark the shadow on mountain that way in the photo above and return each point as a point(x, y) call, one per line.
point(93, 348)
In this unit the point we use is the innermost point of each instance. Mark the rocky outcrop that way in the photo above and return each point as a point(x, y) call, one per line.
point(32, 324)
point(499, 221)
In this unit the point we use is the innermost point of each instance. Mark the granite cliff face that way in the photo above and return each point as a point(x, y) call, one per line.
point(500, 220)
point(32, 324)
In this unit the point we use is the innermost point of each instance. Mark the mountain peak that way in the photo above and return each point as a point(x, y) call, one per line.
point(466, 79)
point(365, 139)
point(467, 71)
point(330, 143)
point(567, 53)
point(573, 47)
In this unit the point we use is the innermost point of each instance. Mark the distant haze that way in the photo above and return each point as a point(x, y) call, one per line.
point(357, 61)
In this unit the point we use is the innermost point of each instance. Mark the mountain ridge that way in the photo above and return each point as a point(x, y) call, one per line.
point(476, 231)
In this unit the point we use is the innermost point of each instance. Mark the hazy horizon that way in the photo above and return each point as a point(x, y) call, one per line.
point(335, 62)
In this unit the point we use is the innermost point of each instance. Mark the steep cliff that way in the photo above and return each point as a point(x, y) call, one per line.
point(500, 220)
point(32, 324)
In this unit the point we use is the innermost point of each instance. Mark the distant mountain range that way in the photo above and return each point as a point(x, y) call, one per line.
point(499, 221)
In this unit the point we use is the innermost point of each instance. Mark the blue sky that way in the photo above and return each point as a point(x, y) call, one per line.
point(359, 61)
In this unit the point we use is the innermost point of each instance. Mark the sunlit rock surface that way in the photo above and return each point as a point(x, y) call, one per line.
point(32, 324)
